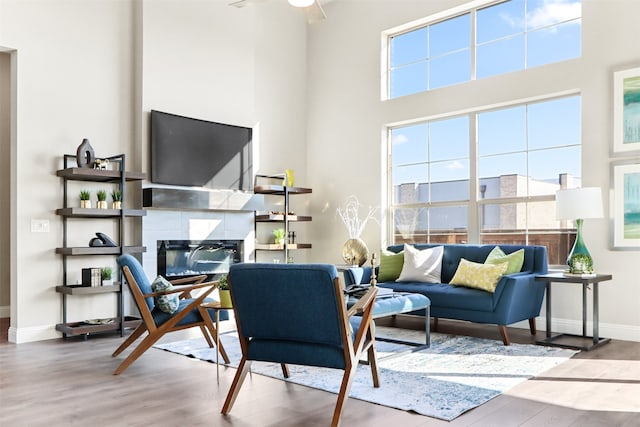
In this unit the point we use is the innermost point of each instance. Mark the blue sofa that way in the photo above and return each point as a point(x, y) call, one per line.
point(517, 296)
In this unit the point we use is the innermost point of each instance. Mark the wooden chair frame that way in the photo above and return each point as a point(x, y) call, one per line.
point(353, 350)
point(154, 333)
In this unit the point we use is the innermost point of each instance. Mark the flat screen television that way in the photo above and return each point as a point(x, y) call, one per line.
point(199, 153)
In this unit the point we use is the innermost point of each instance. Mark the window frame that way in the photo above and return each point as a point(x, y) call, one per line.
point(471, 8)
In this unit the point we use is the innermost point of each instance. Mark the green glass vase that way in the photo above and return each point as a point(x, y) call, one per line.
point(579, 260)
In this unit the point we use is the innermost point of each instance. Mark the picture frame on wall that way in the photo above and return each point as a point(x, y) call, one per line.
point(626, 205)
point(626, 110)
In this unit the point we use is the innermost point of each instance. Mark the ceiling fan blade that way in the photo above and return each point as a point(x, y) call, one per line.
point(314, 13)
point(244, 3)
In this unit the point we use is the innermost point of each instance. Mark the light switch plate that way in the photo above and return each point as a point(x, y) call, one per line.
point(40, 226)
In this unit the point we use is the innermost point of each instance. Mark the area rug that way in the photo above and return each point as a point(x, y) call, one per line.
point(453, 376)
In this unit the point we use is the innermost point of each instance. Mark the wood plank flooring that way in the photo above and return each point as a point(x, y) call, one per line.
point(71, 383)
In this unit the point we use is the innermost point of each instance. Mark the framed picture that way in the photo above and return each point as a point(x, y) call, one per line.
point(626, 205)
point(626, 110)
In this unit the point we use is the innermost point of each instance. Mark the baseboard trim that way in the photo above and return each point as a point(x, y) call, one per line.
point(34, 333)
point(569, 326)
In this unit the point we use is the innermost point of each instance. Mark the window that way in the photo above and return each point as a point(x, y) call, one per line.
point(509, 36)
point(496, 168)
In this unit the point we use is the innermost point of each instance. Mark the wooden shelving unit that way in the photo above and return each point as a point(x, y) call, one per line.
point(118, 178)
point(265, 184)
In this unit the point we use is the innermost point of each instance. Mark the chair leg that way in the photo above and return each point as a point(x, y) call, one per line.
point(372, 357)
point(373, 362)
point(130, 339)
point(148, 341)
point(435, 324)
point(285, 370)
point(204, 313)
point(532, 325)
point(504, 334)
point(206, 336)
point(347, 380)
point(238, 379)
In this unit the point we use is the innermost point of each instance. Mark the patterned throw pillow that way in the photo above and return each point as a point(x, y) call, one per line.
point(422, 265)
point(168, 303)
point(478, 276)
point(514, 259)
point(390, 265)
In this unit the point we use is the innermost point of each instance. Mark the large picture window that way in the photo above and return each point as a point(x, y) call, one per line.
point(488, 176)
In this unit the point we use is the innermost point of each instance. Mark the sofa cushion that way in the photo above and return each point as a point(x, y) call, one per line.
point(421, 265)
point(443, 295)
point(478, 276)
point(514, 259)
point(390, 265)
point(168, 303)
point(535, 257)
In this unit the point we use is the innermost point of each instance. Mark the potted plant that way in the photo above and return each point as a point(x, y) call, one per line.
point(116, 196)
point(106, 273)
point(279, 234)
point(102, 199)
point(225, 292)
point(85, 199)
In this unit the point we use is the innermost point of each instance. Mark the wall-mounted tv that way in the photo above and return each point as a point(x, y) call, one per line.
point(192, 152)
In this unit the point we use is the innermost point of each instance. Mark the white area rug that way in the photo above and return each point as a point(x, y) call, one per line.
point(455, 375)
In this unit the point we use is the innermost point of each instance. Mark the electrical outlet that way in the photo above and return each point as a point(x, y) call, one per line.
point(39, 225)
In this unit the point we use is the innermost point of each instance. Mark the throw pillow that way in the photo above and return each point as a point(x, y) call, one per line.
point(168, 303)
point(390, 265)
point(422, 265)
point(478, 276)
point(514, 259)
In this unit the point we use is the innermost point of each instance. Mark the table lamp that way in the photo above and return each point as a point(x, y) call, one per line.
point(579, 204)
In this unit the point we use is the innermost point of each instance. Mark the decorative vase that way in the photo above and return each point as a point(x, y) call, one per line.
point(117, 205)
point(85, 155)
point(355, 252)
point(579, 260)
point(85, 204)
point(225, 298)
point(102, 204)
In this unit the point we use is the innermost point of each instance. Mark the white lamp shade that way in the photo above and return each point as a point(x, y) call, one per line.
point(579, 203)
point(301, 3)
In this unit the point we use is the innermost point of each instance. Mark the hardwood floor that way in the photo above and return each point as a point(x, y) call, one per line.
point(71, 382)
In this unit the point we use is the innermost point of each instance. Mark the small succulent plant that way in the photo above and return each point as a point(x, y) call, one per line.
point(102, 195)
point(116, 195)
point(85, 195)
point(106, 273)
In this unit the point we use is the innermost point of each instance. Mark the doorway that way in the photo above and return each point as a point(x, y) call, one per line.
point(5, 195)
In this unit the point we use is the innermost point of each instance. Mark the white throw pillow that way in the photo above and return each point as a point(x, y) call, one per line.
point(422, 265)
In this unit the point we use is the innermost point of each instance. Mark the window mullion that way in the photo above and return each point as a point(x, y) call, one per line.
point(473, 218)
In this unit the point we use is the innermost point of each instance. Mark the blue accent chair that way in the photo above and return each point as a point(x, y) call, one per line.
point(156, 322)
point(296, 314)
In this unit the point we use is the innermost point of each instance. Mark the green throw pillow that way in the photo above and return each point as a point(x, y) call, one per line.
point(168, 303)
point(478, 276)
point(515, 259)
point(390, 265)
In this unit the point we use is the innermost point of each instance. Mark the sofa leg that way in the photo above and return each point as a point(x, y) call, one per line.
point(532, 325)
point(504, 334)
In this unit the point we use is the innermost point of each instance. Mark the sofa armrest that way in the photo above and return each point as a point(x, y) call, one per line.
point(357, 275)
point(520, 297)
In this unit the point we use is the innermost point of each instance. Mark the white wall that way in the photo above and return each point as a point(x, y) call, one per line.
point(346, 118)
point(93, 68)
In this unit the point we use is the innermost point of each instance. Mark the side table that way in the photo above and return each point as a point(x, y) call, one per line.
point(578, 342)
